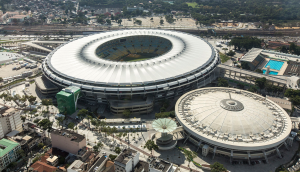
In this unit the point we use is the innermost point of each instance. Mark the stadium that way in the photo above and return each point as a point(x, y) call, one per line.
point(234, 123)
point(131, 69)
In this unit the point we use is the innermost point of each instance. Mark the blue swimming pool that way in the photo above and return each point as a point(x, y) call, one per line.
point(270, 73)
point(276, 65)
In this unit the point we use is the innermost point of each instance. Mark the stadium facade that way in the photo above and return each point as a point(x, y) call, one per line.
point(103, 66)
point(234, 123)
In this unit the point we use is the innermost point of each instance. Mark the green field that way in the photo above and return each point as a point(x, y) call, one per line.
point(137, 57)
point(193, 4)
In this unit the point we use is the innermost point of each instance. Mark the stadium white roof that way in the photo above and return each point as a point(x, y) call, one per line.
point(233, 118)
point(77, 59)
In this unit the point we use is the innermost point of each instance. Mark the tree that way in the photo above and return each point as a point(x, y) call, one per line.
point(231, 53)
point(126, 113)
point(1, 79)
point(71, 125)
point(117, 150)
point(60, 121)
point(31, 99)
point(245, 65)
point(225, 49)
point(261, 82)
point(189, 155)
point(222, 82)
point(108, 21)
point(82, 113)
point(89, 119)
point(45, 124)
point(150, 145)
point(259, 71)
point(40, 145)
point(112, 157)
point(161, 22)
point(23, 118)
point(119, 21)
point(252, 89)
point(217, 167)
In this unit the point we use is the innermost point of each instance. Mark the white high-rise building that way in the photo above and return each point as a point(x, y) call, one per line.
point(10, 120)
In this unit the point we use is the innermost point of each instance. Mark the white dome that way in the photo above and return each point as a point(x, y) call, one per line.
point(232, 118)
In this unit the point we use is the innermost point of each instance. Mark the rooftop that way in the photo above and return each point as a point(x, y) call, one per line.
point(75, 137)
point(258, 124)
point(125, 156)
point(6, 146)
point(43, 167)
point(160, 165)
point(251, 54)
point(76, 165)
point(52, 159)
point(141, 166)
point(98, 162)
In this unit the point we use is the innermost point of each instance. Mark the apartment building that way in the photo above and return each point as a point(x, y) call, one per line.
point(9, 120)
point(8, 152)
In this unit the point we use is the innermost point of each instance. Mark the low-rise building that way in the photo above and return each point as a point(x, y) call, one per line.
point(127, 160)
point(8, 152)
point(29, 138)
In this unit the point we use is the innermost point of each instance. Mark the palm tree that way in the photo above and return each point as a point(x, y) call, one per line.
point(89, 119)
point(114, 130)
point(150, 145)
point(189, 155)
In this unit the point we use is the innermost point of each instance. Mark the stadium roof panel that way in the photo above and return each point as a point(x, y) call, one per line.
point(78, 60)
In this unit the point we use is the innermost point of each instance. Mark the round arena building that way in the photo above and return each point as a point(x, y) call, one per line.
point(234, 123)
point(131, 69)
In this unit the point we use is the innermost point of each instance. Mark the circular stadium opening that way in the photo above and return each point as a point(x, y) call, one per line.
point(134, 48)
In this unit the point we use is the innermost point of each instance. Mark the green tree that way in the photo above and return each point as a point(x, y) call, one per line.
point(31, 99)
point(189, 155)
point(118, 150)
point(60, 121)
point(217, 167)
point(150, 145)
point(45, 124)
point(258, 71)
point(112, 157)
point(222, 82)
point(261, 82)
point(231, 53)
point(119, 21)
point(245, 65)
point(23, 118)
point(71, 125)
point(40, 145)
point(161, 22)
point(108, 21)
point(225, 49)
point(82, 113)
point(89, 119)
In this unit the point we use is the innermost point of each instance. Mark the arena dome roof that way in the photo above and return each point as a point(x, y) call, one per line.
point(233, 118)
point(78, 62)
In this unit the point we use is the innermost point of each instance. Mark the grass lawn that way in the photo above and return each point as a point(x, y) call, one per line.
point(137, 57)
point(192, 4)
point(224, 58)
